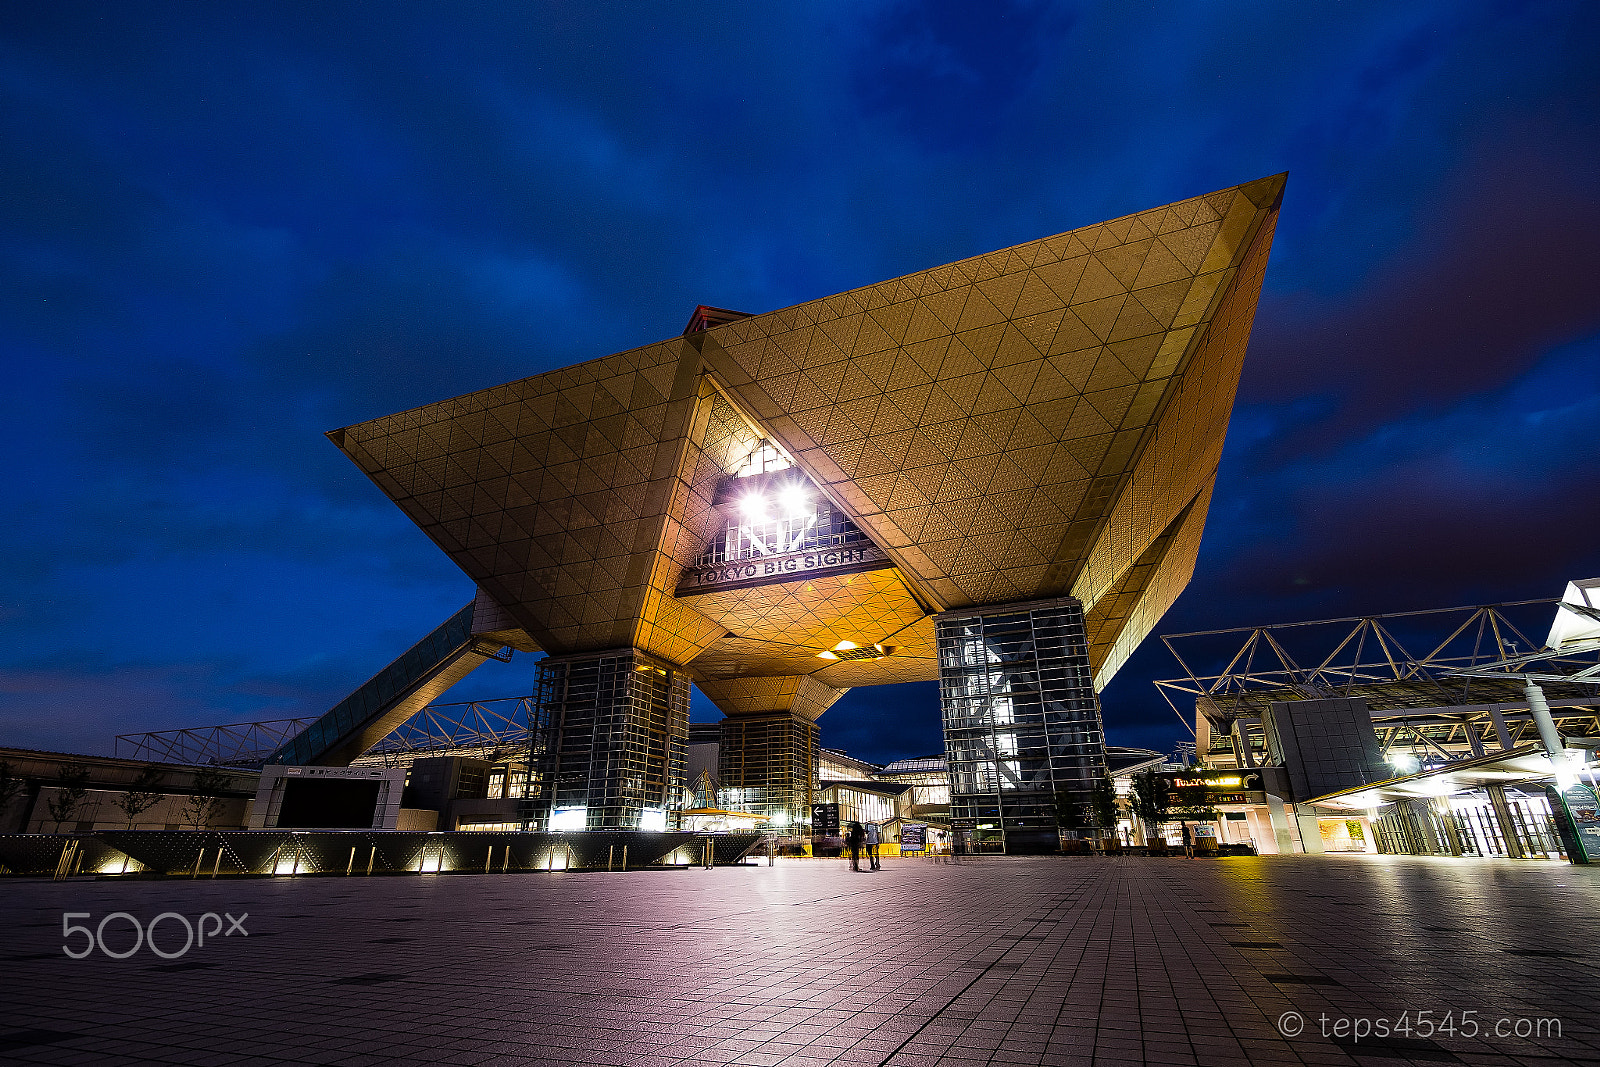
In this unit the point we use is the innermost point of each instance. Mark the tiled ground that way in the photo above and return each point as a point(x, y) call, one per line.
point(1015, 961)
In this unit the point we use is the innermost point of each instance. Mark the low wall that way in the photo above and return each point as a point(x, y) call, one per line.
point(337, 852)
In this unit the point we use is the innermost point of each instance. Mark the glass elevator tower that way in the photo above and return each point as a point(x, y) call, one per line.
point(1021, 720)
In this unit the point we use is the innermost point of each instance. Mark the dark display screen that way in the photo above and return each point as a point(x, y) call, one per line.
point(328, 803)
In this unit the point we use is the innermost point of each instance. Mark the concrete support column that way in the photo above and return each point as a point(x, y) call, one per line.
point(1502, 816)
point(1310, 834)
point(1280, 825)
point(1259, 824)
point(1546, 724)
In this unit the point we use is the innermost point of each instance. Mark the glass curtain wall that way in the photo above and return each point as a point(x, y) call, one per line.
point(621, 727)
point(776, 516)
point(1021, 720)
point(766, 765)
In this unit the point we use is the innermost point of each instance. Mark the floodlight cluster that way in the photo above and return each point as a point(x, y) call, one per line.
point(791, 501)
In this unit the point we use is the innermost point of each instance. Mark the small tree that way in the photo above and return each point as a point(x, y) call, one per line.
point(1150, 801)
point(143, 794)
point(205, 803)
point(1194, 804)
point(1069, 812)
point(1103, 804)
point(10, 787)
point(72, 785)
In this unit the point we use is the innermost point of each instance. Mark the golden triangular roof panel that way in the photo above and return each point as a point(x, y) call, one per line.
point(1033, 422)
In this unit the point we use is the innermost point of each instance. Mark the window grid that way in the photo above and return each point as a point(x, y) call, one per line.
point(819, 527)
point(622, 740)
point(767, 766)
point(1022, 722)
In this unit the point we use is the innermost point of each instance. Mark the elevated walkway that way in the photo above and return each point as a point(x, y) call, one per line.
point(393, 695)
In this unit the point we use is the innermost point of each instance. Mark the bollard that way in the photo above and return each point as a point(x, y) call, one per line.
point(371, 856)
point(216, 863)
point(198, 857)
point(624, 857)
point(609, 850)
point(350, 865)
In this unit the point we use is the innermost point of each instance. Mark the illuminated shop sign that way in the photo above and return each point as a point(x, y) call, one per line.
point(782, 568)
point(1221, 781)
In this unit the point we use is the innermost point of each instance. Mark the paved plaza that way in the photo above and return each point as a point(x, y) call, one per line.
point(994, 960)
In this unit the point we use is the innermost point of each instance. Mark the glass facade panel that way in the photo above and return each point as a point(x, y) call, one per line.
point(767, 766)
point(1021, 719)
point(621, 727)
point(778, 517)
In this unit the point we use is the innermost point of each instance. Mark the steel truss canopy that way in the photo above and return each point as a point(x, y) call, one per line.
point(1372, 657)
point(1041, 421)
point(1525, 763)
point(465, 728)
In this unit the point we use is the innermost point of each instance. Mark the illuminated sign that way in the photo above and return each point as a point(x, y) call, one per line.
point(782, 568)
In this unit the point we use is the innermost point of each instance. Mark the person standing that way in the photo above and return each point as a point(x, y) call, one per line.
point(854, 839)
point(873, 834)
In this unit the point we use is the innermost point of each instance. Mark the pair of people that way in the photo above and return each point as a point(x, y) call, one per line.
point(863, 837)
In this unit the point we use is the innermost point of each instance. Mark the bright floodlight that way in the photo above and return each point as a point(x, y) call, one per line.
point(754, 506)
point(794, 500)
point(1404, 762)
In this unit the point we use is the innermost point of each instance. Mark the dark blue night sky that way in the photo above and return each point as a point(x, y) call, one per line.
point(228, 228)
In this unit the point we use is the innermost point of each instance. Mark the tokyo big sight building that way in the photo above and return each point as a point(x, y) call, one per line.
point(993, 474)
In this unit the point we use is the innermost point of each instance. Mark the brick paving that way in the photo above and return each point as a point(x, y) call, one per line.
point(995, 960)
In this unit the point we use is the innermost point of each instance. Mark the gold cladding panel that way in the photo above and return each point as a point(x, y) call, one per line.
point(734, 656)
point(719, 440)
point(978, 420)
point(804, 696)
point(1121, 623)
point(556, 494)
point(975, 419)
point(1183, 456)
point(816, 613)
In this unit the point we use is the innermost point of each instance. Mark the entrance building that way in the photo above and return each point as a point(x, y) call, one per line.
point(992, 473)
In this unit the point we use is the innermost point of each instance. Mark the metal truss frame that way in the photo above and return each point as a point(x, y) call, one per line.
point(1457, 696)
point(470, 727)
point(1367, 659)
point(238, 744)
